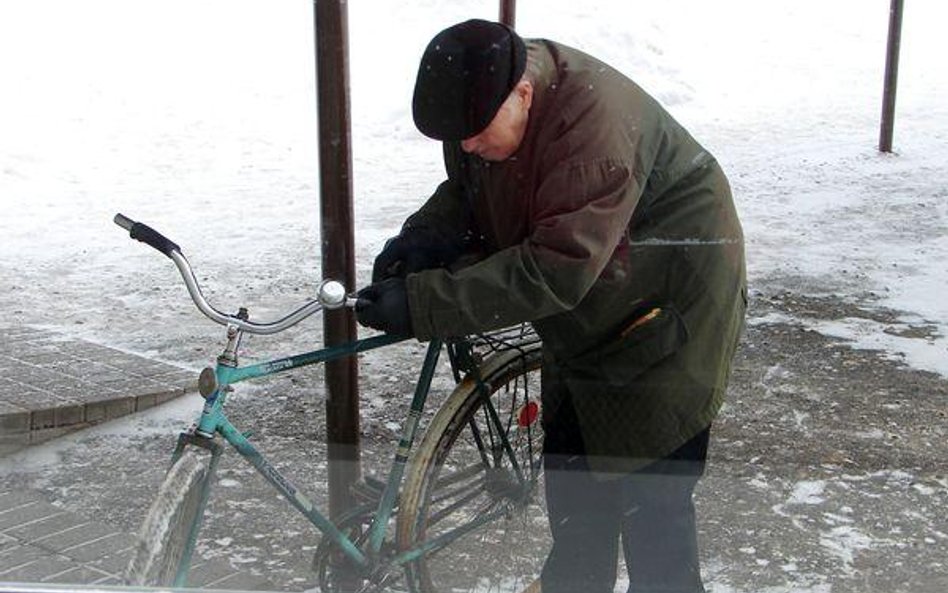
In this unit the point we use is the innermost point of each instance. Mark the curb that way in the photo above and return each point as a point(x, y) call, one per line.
point(20, 428)
point(51, 385)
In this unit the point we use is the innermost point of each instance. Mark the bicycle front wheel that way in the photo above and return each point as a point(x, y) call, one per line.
point(473, 499)
point(161, 546)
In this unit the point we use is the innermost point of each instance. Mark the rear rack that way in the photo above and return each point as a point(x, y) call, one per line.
point(467, 354)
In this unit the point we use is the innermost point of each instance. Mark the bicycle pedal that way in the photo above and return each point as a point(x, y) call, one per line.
point(374, 482)
point(366, 492)
point(369, 490)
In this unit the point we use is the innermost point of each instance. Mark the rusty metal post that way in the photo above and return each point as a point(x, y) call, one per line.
point(891, 76)
point(508, 13)
point(338, 245)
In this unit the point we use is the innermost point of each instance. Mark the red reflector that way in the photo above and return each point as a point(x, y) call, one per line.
point(528, 414)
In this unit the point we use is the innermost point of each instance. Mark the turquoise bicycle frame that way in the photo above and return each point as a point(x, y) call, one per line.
point(213, 421)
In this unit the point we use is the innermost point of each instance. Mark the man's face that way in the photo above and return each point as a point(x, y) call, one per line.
point(502, 137)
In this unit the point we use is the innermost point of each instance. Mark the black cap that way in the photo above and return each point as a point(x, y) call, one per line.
point(466, 73)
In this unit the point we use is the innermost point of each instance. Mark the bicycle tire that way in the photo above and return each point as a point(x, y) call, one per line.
point(161, 541)
point(507, 553)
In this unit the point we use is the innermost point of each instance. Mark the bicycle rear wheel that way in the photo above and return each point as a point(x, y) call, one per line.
point(161, 544)
point(476, 482)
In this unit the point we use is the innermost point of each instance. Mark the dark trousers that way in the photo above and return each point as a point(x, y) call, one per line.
point(651, 510)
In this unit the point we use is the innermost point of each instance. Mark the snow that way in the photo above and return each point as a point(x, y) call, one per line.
point(808, 492)
point(199, 119)
point(205, 128)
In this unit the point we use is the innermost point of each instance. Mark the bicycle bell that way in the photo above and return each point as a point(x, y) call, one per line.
point(332, 294)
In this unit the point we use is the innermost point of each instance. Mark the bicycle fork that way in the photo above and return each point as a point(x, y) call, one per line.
point(215, 449)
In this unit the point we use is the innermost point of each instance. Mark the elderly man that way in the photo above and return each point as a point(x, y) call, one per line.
point(600, 220)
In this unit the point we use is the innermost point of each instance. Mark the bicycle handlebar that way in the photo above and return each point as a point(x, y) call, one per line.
point(146, 234)
point(330, 295)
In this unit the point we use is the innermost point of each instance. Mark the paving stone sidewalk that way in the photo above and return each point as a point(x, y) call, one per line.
point(51, 385)
point(43, 543)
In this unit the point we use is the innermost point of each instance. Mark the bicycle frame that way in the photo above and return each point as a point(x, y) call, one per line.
point(213, 421)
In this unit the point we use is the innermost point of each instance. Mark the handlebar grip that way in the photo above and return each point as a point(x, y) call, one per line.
point(124, 221)
point(146, 234)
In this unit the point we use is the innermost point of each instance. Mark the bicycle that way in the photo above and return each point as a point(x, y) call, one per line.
point(470, 490)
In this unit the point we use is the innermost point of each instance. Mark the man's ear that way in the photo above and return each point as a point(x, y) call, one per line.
point(524, 90)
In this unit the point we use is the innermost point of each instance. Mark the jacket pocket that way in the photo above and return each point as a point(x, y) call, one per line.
point(647, 339)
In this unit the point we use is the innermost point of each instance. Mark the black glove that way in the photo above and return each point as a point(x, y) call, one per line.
point(414, 250)
point(384, 306)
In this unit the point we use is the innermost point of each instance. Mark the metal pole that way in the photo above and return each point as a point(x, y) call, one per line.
point(508, 13)
point(338, 245)
point(891, 76)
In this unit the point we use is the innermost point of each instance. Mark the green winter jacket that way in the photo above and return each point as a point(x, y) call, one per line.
point(614, 232)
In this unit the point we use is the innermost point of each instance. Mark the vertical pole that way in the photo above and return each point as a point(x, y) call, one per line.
point(508, 13)
point(891, 76)
point(338, 245)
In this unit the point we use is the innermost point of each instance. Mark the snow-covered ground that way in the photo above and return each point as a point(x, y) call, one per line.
point(199, 119)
